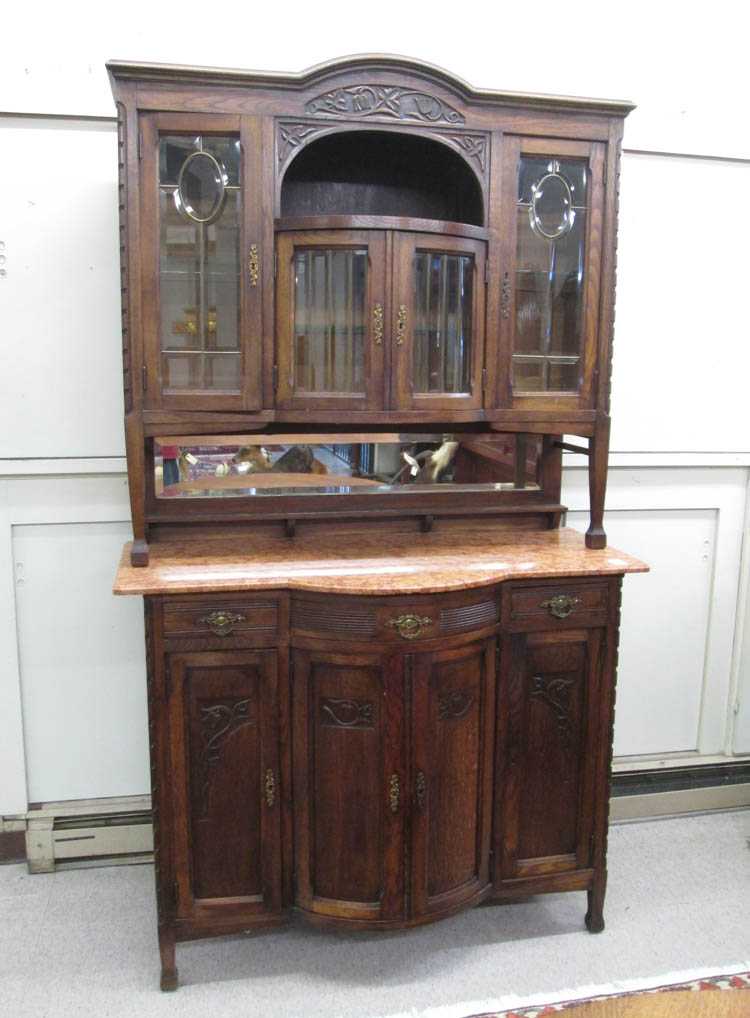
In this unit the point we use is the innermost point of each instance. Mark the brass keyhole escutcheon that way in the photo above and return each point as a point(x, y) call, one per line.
point(401, 325)
point(394, 793)
point(377, 324)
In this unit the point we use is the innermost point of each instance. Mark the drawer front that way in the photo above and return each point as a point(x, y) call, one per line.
point(395, 621)
point(229, 620)
point(555, 605)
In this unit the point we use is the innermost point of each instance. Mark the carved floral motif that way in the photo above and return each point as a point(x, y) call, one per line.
point(383, 101)
point(344, 713)
point(555, 692)
point(290, 136)
point(455, 704)
point(217, 721)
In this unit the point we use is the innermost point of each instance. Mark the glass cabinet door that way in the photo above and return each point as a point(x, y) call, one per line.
point(202, 307)
point(550, 292)
point(331, 319)
point(437, 322)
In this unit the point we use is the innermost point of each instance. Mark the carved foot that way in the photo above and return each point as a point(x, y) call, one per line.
point(168, 981)
point(139, 553)
point(167, 954)
point(594, 924)
point(596, 538)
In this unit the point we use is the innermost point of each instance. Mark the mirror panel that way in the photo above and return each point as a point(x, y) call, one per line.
point(232, 466)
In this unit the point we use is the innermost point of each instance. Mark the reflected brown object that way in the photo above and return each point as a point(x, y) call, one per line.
point(434, 259)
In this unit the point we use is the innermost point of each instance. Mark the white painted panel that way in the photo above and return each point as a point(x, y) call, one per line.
point(60, 359)
point(681, 352)
point(665, 619)
point(82, 664)
point(678, 109)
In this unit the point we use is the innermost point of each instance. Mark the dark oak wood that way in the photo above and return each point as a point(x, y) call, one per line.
point(378, 761)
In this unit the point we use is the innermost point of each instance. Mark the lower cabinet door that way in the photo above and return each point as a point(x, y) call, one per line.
point(453, 724)
point(548, 751)
point(224, 749)
point(349, 785)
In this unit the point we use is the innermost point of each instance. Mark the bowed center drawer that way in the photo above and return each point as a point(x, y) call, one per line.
point(400, 621)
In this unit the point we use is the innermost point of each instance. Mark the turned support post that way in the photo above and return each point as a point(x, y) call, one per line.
point(598, 460)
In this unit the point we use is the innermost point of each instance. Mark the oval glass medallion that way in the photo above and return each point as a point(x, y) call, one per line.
point(551, 211)
point(200, 187)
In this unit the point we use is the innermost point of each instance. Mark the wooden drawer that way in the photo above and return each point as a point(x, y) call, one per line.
point(390, 620)
point(555, 605)
point(226, 621)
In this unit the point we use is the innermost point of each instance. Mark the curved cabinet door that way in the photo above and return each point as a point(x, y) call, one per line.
point(224, 751)
point(349, 785)
point(453, 712)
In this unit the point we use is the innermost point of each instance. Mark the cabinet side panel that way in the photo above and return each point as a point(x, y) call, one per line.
point(224, 731)
point(346, 730)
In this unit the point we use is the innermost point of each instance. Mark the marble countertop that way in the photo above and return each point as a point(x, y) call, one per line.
point(401, 563)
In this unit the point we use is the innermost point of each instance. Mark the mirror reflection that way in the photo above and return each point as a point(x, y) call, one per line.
point(249, 465)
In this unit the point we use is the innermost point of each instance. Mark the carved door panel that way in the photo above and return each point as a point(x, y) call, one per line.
point(224, 748)
point(437, 323)
point(548, 752)
point(201, 261)
point(349, 784)
point(453, 718)
point(330, 307)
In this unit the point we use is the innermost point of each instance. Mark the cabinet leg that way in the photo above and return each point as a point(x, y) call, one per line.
point(598, 460)
point(595, 914)
point(167, 952)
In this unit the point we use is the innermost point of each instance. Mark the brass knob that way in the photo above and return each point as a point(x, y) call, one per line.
point(561, 605)
point(410, 626)
point(222, 622)
point(401, 325)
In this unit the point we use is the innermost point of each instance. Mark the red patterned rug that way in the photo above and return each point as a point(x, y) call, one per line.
point(738, 981)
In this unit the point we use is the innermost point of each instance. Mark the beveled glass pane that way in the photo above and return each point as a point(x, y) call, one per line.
point(268, 465)
point(330, 289)
point(200, 187)
point(173, 151)
point(226, 151)
point(549, 285)
point(199, 285)
point(443, 299)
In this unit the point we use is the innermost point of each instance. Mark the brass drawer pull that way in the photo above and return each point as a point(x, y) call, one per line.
point(253, 265)
point(222, 622)
point(401, 325)
point(394, 793)
point(377, 324)
point(270, 788)
point(410, 626)
point(421, 791)
point(561, 605)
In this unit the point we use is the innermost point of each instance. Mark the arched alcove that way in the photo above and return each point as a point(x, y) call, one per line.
point(381, 173)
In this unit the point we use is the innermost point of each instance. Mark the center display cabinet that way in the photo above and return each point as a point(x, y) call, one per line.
point(365, 308)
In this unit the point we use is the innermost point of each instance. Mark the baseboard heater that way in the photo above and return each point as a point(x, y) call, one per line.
point(99, 832)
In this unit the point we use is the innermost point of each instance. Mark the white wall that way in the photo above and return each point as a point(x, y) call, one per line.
point(72, 691)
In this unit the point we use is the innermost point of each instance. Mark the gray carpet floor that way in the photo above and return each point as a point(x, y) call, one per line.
point(83, 942)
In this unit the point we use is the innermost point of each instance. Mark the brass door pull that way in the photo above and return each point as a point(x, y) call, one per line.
point(394, 793)
point(401, 325)
point(410, 626)
point(377, 324)
point(270, 788)
point(222, 622)
point(253, 265)
point(561, 605)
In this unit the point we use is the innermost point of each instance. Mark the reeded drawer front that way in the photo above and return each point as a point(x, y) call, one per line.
point(400, 620)
point(556, 604)
point(227, 618)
